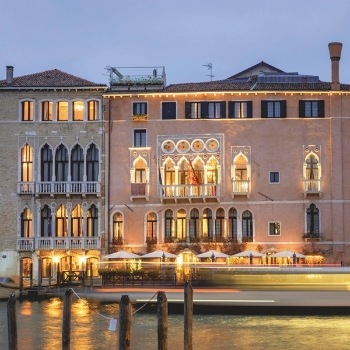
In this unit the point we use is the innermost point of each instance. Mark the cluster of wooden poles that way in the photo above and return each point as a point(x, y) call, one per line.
point(124, 320)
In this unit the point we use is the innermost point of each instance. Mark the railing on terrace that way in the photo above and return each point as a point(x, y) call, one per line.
point(312, 236)
point(139, 190)
point(312, 187)
point(25, 187)
point(240, 187)
point(58, 243)
point(188, 191)
point(25, 243)
point(70, 187)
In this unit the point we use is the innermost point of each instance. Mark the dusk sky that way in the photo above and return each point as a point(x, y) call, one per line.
point(82, 37)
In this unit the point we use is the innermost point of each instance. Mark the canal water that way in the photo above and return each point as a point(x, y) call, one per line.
point(40, 325)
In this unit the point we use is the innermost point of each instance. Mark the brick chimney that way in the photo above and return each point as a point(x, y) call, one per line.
point(334, 54)
point(9, 75)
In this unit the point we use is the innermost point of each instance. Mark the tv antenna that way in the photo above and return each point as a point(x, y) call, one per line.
point(210, 67)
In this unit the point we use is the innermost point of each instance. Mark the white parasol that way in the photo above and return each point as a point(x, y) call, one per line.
point(287, 254)
point(248, 253)
point(121, 254)
point(159, 254)
point(210, 253)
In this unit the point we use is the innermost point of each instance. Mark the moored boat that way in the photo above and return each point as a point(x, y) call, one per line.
point(11, 285)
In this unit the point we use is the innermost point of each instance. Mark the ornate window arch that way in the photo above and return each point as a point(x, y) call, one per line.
point(45, 222)
point(77, 163)
point(312, 222)
point(61, 163)
point(247, 226)
point(194, 223)
point(46, 163)
point(118, 226)
point(169, 229)
point(232, 224)
point(92, 221)
point(207, 223)
point(220, 223)
point(151, 226)
point(26, 223)
point(92, 163)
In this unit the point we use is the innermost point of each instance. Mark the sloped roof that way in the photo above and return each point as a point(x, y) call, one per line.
point(261, 65)
point(50, 78)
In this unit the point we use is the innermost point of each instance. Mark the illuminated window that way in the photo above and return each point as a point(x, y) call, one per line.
point(46, 111)
point(152, 226)
point(240, 109)
point(140, 171)
point(207, 223)
point(27, 110)
point(78, 110)
point(274, 228)
point(61, 222)
point(92, 221)
point(181, 226)
point(92, 110)
point(27, 163)
point(77, 221)
point(204, 110)
point(26, 224)
point(241, 171)
point(62, 111)
point(194, 223)
point(117, 225)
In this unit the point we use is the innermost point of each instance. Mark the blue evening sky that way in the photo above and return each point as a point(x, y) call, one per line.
point(82, 37)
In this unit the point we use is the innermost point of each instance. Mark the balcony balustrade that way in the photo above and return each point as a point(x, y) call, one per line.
point(189, 192)
point(312, 186)
point(25, 187)
point(58, 243)
point(240, 187)
point(139, 190)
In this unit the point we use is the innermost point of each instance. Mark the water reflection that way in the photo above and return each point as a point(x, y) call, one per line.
point(40, 326)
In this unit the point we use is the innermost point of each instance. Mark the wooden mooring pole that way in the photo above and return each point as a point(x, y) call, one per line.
point(188, 315)
point(162, 316)
point(125, 323)
point(67, 316)
point(12, 322)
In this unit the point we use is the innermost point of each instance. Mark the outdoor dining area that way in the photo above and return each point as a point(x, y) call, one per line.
point(162, 267)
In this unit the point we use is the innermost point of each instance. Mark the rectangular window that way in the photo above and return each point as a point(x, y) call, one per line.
point(27, 111)
point(139, 108)
point(140, 176)
point(311, 109)
point(274, 177)
point(274, 228)
point(240, 109)
point(168, 110)
point(205, 110)
point(92, 110)
point(78, 110)
point(46, 111)
point(273, 109)
point(62, 111)
point(140, 138)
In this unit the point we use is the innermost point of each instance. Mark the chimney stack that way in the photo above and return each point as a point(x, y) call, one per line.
point(335, 53)
point(9, 75)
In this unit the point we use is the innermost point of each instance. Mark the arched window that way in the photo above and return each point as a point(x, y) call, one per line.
point(152, 226)
point(77, 222)
point(117, 225)
point(92, 163)
point(92, 222)
point(61, 161)
point(232, 224)
point(312, 167)
point(169, 224)
point(46, 221)
point(27, 267)
point(78, 110)
point(140, 171)
point(207, 227)
point(77, 163)
point(220, 223)
point(183, 176)
point(27, 163)
point(46, 163)
point(241, 171)
point(26, 224)
point(194, 223)
point(61, 222)
point(313, 222)
point(181, 224)
point(247, 226)
point(169, 179)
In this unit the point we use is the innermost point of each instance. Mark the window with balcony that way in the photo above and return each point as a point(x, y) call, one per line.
point(274, 228)
point(46, 228)
point(312, 174)
point(240, 180)
point(232, 224)
point(139, 180)
point(61, 163)
point(220, 223)
point(92, 163)
point(247, 226)
point(169, 229)
point(46, 163)
point(140, 139)
point(117, 226)
point(152, 227)
point(92, 221)
point(77, 221)
point(274, 109)
point(139, 110)
point(312, 222)
point(61, 222)
point(46, 111)
point(168, 110)
point(240, 109)
point(207, 223)
point(205, 110)
point(62, 110)
point(27, 164)
point(93, 107)
point(26, 224)
point(77, 163)
point(311, 109)
point(78, 110)
point(194, 224)
point(27, 111)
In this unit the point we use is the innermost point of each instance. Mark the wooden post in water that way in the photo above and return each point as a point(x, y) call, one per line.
point(12, 322)
point(20, 279)
point(124, 323)
point(67, 316)
point(162, 316)
point(188, 315)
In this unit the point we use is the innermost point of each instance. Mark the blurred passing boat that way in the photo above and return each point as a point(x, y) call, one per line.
point(11, 285)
